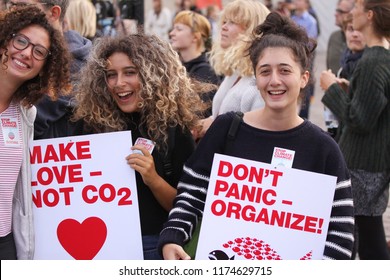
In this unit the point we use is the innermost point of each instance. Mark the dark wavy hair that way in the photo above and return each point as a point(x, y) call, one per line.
point(169, 97)
point(54, 77)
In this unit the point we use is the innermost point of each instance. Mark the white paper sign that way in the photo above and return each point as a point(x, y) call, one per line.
point(85, 198)
point(255, 211)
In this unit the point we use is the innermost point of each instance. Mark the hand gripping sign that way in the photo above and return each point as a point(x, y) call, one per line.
point(85, 198)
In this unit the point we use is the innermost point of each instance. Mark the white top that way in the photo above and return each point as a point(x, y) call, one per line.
point(242, 96)
point(159, 25)
point(11, 154)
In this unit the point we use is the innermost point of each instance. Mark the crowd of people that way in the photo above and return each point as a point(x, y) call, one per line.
point(179, 80)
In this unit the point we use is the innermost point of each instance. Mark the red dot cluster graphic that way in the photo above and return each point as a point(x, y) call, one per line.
point(256, 249)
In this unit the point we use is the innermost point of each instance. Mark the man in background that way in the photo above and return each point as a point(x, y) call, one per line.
point(336, 42)
point(159, 20)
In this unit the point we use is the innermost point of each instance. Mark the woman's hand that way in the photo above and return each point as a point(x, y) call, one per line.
point(327, 78)
point(174, 252)
point(144, 164)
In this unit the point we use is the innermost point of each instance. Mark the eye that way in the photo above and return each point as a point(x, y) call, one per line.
point(40, 52)
point(110, 75)
point(21, 41)
point(285, 71)
point(130, 72)
point(264, 72)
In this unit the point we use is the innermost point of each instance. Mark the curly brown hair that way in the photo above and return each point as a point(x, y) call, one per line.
point(54, 77)
point(169, 97)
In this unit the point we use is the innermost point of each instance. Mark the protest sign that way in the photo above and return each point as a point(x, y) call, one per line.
point(256, 211)
point(85, 198)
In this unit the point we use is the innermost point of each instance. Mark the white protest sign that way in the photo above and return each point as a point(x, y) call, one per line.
point(85, 198)
point(255, 211)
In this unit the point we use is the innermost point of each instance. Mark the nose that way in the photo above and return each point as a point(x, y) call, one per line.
point(27, 52)
point(120, 81)
point(275, 79)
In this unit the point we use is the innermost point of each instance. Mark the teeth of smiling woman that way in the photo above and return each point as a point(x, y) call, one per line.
point(123, 94)
point(276, 92)
point(21, 63)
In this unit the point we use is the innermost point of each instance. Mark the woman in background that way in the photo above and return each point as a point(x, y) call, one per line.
point(229, 58)
point(191, 38)
point(364, 111)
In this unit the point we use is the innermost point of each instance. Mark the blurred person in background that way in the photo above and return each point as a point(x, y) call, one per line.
point(351, 55)
point(238, 91)
point(191, 38)
point(337, 42)
point(305, 19)
point(158, 20)
point(81, 17)
point(364, 112)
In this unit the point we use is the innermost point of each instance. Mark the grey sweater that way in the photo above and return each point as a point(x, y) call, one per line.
point(365, 112)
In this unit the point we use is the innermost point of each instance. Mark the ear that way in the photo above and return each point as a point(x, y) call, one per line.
point(54, 13)
point(197, 36)
point(370, 15)
point(305, 79)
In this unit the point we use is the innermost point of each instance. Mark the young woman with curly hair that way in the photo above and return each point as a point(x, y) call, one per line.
point(33, 61)
point(138, 83)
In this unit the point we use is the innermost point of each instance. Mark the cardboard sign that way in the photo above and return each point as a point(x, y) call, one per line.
point(85, 198)
point(255, 211)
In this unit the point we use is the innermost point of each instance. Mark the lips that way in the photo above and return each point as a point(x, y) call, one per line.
point(125, 95)
point(20, 64)
point(276, 92)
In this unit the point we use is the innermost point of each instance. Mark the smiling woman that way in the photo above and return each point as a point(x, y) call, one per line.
point(33, 62)
point(280, 58)
point(137, 82)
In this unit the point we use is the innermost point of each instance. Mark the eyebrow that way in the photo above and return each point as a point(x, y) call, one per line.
point(124, 68)
point(280, 64)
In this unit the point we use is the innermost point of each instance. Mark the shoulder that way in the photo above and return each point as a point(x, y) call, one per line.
point(28, 114)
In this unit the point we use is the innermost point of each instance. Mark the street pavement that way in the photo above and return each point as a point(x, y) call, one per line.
point(316, 116)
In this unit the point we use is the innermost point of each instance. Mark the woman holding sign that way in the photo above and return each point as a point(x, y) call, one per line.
point(280, 57)
point(137, 82)
point(34, 61)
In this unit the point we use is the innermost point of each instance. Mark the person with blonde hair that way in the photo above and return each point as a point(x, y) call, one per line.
point(229, 58)
point(191, 38)
point(81, 17)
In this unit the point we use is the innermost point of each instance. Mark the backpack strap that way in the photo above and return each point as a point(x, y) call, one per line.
point(237, 119)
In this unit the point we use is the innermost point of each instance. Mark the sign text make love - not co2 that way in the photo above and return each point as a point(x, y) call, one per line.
point(78, 185)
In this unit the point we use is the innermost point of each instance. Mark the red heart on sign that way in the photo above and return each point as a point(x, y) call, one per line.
point(82, 241)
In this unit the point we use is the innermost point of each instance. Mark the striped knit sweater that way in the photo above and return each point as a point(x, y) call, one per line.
point(314, 151)
point(365, 112)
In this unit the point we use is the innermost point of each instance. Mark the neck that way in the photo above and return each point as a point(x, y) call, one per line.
point(279, 121)
point(374, 40)
point(8, 88)
point(189, 54)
